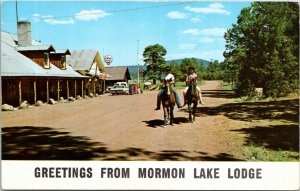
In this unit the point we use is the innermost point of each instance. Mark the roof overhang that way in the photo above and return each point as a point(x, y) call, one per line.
point(64, 51)
point(48, 48)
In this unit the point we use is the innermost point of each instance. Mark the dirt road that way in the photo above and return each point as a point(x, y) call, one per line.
point(123, 127)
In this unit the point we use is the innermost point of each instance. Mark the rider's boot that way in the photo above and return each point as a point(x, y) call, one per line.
point(184, 100)
point(200, 99)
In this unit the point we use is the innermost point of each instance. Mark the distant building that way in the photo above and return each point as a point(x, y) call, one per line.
point(117, 74)
point(88, 63)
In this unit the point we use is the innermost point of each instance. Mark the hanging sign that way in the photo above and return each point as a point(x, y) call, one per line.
point(108, 59)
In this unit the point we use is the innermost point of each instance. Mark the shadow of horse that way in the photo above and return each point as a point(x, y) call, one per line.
point(160, 123)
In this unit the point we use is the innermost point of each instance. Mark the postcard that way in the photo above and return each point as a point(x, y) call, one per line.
point(150, 95)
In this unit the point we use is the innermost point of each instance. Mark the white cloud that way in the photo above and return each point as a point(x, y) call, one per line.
point(84, 15)
point(195, 20)
point(36, 17)
point(89, 15)
point(52, 21)
point(192, 31)
point(176, 15)
point(215, 8)
point(46, 16)
point(187, 46)
point(213, 31)
point(206, 40)
point(206, 32)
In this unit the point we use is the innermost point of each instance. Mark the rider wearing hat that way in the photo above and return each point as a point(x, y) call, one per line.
point(168, 76)
point(191, 77)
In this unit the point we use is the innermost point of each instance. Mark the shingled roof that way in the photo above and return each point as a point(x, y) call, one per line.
point(14, 63)
point(118, 73)
point(61, 51)
point(36, 48)
point(12, 39)
point(82, 60)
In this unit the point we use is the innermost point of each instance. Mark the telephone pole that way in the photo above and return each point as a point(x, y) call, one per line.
point(138, 65)
point(17, 11)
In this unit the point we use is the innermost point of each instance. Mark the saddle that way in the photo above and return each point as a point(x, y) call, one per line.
point(192, 90)
point(165, 93)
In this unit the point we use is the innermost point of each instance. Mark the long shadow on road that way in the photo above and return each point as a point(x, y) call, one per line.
point(248, 111)
point(281, 136)
point(45, 143)
point(274, 137)
point(218, 93)
point(159, 122)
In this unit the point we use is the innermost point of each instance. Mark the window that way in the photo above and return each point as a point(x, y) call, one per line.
point(46, 60)
point(63, 62)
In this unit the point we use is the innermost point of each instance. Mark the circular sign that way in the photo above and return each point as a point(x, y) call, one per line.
point(108, 59)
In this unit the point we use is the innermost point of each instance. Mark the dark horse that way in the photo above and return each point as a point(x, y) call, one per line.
point(192, 97)
point(168, 102)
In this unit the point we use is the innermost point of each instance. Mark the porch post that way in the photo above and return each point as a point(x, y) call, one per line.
point(58, 88)
point(20, 92)
point(34, 91)
point(75, 87)
point(104, 88)
point(68, 92)
point(94, 87)
point(47, 84)
point(82, 88)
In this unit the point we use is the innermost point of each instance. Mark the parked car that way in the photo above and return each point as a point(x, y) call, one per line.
point(108, 88)
point(115, 85)
point(119, 89)
point(121, 84)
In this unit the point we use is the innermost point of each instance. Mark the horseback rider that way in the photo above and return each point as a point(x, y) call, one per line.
point(167, 77)
point(191, 78)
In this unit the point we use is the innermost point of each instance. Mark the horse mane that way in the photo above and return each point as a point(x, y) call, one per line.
point(192, 94)
point(168, 100)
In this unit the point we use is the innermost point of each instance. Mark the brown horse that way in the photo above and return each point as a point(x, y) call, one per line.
point(192, 97)
point(168, 102)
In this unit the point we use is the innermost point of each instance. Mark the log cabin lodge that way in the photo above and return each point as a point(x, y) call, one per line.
point(34, 72)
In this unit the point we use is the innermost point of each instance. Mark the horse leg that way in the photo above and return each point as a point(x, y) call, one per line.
point(171, 115)
point(190, 112)
point(165, 116)
point(168, 115)
point(194, 109)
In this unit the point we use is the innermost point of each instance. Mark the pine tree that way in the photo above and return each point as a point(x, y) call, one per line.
point(262, 48)
point(154, 60)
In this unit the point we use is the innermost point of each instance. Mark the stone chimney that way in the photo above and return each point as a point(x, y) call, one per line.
point(24, 33)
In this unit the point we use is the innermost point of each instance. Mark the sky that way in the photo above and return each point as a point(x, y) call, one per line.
point(122, 29)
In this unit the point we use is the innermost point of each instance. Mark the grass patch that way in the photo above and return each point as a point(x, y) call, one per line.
point(180, 85)
point(257, 152)
point(226, 86)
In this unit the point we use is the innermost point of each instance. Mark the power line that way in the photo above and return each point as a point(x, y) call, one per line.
point(115, 11)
